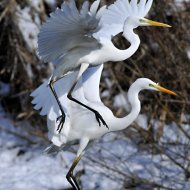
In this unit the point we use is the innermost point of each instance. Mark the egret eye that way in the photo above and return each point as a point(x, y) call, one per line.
point(151, 85)
point(141, 20)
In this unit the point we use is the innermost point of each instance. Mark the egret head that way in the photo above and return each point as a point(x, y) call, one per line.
point(136, 21)
point(146, 22)
point(148, 84)
point(136, 11)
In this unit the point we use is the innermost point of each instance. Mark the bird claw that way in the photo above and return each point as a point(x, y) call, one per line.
point(100, 119)
point(61, 120)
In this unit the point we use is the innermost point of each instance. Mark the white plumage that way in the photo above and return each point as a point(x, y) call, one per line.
point(80, 123)
point(74, 39)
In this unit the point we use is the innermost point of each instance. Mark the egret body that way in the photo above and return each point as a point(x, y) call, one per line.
point(81, 124)
point(74, 39)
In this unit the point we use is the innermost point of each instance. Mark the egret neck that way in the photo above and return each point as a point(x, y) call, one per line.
point(122, 123)
point(120, 55)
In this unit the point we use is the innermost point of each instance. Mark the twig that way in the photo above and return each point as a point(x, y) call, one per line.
point(17, 134)
point(9, 5)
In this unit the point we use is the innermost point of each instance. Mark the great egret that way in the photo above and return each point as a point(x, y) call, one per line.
point(73, 39)
point(80, 123)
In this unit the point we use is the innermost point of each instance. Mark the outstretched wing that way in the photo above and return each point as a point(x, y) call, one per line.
point(67, 28)
point(113, 19)
point(44, 100)
point(91, 83)
point(87, 89)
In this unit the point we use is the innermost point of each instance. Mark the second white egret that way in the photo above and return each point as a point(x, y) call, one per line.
point(80, 123)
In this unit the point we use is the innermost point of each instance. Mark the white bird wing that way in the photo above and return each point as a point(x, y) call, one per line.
point(91, 83)
point(87, 89)
point(113, 19)
point(44, 100)
point(67, 28)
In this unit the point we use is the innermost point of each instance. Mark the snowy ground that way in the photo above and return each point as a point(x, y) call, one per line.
point(107, 163)
point(23, 164)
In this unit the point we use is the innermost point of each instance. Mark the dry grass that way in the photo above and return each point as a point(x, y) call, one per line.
point(16, 58)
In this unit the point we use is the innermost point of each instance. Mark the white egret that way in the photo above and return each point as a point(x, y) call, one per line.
point(80, 123)
point(75, 39)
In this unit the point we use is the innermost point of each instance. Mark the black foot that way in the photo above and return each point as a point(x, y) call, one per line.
point(100, 119)
point(61, 120)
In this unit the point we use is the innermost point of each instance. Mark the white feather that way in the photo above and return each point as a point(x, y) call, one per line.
point(100, 12)
point(64, 29)
point(44, 99)
point(94, 7)
point(127, 6)
point(142, 6)
point(148, 6)
point(134, 6)
point(91, 79)
point(84, 9)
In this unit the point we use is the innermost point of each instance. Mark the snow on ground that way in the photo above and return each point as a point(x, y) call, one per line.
point(23, 164)
point(108, 163)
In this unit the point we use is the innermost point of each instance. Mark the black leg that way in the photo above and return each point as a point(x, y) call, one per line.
point(61, 118)
point(70, 177)
point(99, 118)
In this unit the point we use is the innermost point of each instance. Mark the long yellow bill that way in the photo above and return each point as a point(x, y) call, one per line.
point(162, 89)
point(154, 23)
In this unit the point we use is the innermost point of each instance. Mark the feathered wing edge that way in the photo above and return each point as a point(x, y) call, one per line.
point(44, 100)
point(91, 83)
point(87, 88)
point(113, 18)
point(66, 28)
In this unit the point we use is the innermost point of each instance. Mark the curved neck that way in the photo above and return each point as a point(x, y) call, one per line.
point(122, 123)
point(120, 55)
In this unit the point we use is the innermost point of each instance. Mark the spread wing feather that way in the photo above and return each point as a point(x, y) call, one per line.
point(113, 19)
point(94, 7)
point(84, 9)
point(147, 7)
point(88, 88)
point(91, 83)
point(67, 28)
point(43, 97)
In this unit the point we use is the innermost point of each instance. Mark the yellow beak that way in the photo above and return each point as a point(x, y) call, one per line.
point(162, 89)
point(154, 23)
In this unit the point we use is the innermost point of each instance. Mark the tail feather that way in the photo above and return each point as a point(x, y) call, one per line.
point(52, 149)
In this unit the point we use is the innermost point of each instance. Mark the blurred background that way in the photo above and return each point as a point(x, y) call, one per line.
point(153, 153)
